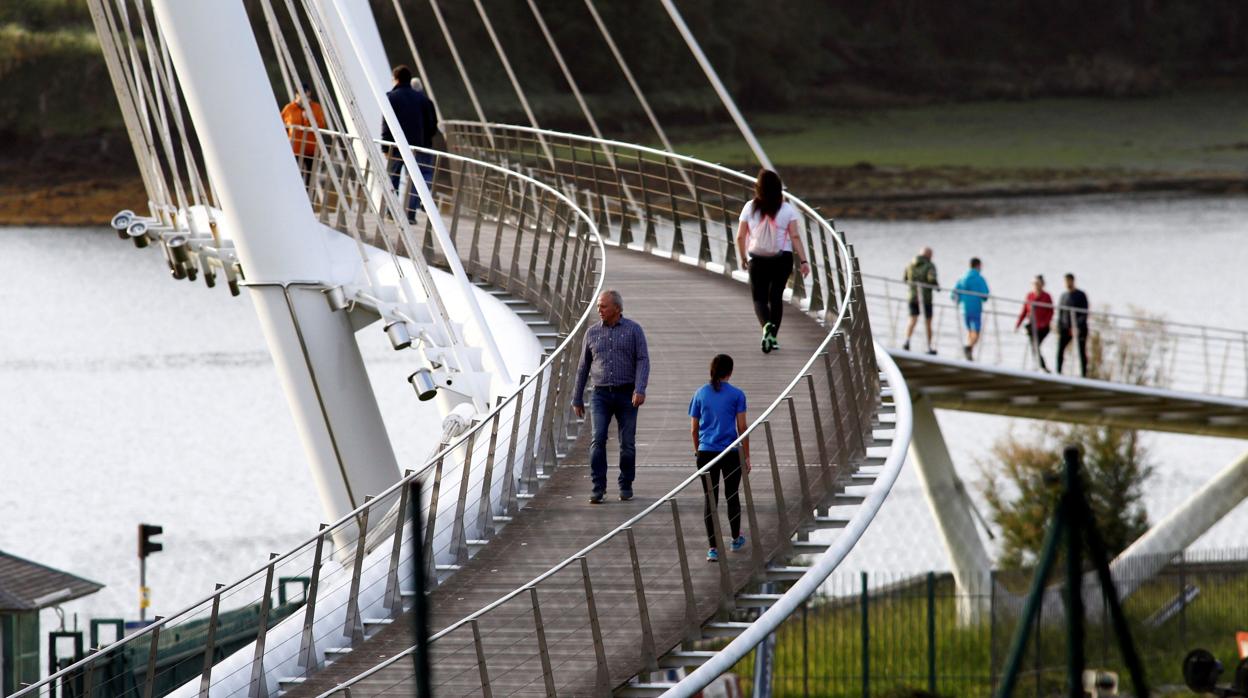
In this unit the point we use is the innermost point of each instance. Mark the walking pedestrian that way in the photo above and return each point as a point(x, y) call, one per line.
point(411, 109)
point(1072, 317)
point(429, 130)
point(717, 417)
point(615, 356)
point(1039, 308)
point(920, 277)
point(767, 239)
point(299, 124)
point(970, 291)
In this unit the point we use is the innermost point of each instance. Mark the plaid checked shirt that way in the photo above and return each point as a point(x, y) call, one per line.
point(613, 356)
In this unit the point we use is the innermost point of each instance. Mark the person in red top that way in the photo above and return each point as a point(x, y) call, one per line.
point(1039, 306)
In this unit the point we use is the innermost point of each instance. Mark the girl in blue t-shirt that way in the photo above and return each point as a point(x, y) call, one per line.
point(717, 414)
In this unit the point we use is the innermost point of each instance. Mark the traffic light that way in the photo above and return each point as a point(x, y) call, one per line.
point(147, 546)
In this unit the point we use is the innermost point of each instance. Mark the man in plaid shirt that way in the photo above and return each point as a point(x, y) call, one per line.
point(615, 356)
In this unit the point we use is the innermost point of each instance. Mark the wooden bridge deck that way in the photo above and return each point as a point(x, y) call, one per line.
point(689, 315)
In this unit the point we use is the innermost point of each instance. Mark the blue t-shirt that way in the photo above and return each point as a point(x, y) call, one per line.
point(716, 412)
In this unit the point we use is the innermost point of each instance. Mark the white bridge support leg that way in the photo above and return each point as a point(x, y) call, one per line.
point(1178, 530)
point(951, 507)
point(266, 211)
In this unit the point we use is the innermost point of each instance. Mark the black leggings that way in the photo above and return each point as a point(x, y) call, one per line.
point(1063, 340)
point(730, 468)
point(1037, 336)
point(768, 278)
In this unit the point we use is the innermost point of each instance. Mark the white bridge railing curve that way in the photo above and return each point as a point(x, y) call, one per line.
point(342, 584)
point(684, 209)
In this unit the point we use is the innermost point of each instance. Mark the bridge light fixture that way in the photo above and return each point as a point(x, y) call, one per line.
point(121, 221)
point(137, 231)
point(337, 298)
point(422, 381)
point(399, 336)
point(179, 257)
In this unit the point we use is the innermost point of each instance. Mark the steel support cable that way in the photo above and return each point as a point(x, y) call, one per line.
point(567, 75)
point(511, 75)
point(632, 82)
point(434, 218)
point(411, 46)
point(164, 78)
point(397, 211)
point(198, 183)
point(722, 91)
point(129, 117)
point(336, 179)
point(155, 110)
point(129, 56)
point(459, 65)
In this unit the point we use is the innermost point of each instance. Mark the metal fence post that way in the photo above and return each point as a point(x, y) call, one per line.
point(482, 669)
point(548, 676)
point(259, 686)
point(393, 601)
point(692, 626)
point(603, 678)
point(866, 639)
point(307, 645)
point(931, 633)
point(353, 628)
point(210, 649)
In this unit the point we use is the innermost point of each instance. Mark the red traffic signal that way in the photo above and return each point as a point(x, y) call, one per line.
point(146, 545)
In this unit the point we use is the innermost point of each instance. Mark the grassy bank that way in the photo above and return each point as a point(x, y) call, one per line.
point(820, 652)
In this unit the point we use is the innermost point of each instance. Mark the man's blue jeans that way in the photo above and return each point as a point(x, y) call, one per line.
point(603, 406)
point(425, 162)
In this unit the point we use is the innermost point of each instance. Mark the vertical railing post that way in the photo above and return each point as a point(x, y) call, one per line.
point(353, 628)
point(482, 669)
point(825, 466)
point(459, 537)
point(648, 655)
point(692, 624)
point(808, 506)
point(782, 516)
point(393, 600)
point(259, 685)
point(751, 512)
point(603, 678)
point(511, 503)
point(149, 681)
point(210, 645)
point(485, 508)
point(307, 645)
point(543, 651)
point(431, 566)
point(529, 457)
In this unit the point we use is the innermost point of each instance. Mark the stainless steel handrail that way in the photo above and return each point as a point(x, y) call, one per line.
point(594, 271)
point(850, 302)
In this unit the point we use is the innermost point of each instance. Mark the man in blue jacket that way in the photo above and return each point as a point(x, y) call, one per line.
point(971, 291)
point(411, 109)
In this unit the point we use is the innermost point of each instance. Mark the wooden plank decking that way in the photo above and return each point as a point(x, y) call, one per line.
point(689, 315)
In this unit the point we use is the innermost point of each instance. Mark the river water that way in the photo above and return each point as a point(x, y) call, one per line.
point(128, 397)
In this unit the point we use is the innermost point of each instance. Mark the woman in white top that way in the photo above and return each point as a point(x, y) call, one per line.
point(767, 239)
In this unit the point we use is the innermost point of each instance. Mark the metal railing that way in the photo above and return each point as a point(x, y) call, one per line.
point(517, 234)
point(613, 608)
point(1138, 349)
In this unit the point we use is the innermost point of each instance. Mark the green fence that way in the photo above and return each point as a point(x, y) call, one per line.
point(911, 634)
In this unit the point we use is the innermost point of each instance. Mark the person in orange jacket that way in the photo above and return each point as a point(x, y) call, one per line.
point(302, 141)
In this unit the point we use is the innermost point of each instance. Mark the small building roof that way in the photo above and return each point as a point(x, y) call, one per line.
point(29, 586)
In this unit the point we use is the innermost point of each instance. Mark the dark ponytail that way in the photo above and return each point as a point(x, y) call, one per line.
point(721, 368)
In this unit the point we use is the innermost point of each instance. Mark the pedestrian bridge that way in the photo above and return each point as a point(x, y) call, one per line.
point(535, 592)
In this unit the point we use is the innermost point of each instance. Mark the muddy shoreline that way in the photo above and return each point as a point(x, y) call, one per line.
point(91, 199)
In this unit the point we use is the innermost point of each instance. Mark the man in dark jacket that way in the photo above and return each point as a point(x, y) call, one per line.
point(412, 109)
point(1072, 315)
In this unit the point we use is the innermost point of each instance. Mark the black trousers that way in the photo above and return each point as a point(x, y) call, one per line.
point(768, 278)
point(1063, 340)
point(729, 469)
point(1037, 338)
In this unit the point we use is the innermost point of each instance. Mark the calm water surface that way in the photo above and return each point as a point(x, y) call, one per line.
point(128, 397)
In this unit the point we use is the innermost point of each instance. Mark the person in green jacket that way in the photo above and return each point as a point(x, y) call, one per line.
point(920, 277)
